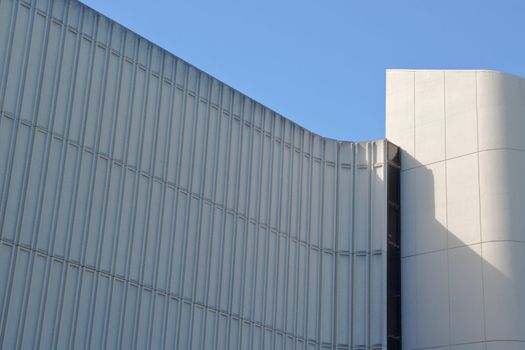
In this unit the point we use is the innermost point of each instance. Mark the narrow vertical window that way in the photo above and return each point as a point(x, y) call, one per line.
point(393, 249)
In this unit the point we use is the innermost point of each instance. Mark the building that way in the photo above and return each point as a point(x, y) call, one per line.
point(144, 204)
point(462, 199)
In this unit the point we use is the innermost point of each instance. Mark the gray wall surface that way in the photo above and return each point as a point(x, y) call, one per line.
point(144, 204)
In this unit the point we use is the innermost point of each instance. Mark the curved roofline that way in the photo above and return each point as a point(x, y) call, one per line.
point(276, 113)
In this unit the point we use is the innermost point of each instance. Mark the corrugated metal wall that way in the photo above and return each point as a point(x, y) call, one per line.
point(144, 204)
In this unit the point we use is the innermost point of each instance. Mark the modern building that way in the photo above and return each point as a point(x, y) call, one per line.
point(146, 205)
point(462, 207)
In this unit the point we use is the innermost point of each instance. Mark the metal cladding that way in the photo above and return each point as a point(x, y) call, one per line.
point(144, 204)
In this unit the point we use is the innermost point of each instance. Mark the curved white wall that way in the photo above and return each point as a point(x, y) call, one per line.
point(462, 199)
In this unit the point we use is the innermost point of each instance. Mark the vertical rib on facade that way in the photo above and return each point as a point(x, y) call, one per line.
point(144, 204)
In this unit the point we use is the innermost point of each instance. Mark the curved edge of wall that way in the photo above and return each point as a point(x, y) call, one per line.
point(462, 198)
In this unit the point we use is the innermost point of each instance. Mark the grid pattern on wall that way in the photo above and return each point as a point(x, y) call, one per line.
point(462, 198)
point(144, 204)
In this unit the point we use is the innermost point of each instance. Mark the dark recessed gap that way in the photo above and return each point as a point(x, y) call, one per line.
point(393, 249)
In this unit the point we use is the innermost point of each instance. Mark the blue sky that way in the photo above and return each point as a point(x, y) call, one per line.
point(322, 63)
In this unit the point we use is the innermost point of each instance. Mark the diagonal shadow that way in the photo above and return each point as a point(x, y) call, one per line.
point(458, 289)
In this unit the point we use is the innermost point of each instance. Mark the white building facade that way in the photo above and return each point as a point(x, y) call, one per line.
point(146, 205)
point(462, 207)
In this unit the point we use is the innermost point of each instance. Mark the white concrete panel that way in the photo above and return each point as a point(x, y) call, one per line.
point(429, 116)
point(505, 345)
point(466, 294)
point(460, 113)
point(504, 288)
point(430, 213)
point(463, 201)
point(378, 211)
point(501, 107)
point(432, 300)
point(400, 115)
point(502, 202)
point(430, 142)
point(491, 119)
point(475, 346)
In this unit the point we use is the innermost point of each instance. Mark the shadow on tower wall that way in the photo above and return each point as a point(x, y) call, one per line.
point(457, 288)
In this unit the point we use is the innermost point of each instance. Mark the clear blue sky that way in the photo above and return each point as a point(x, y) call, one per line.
point(322, 63)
